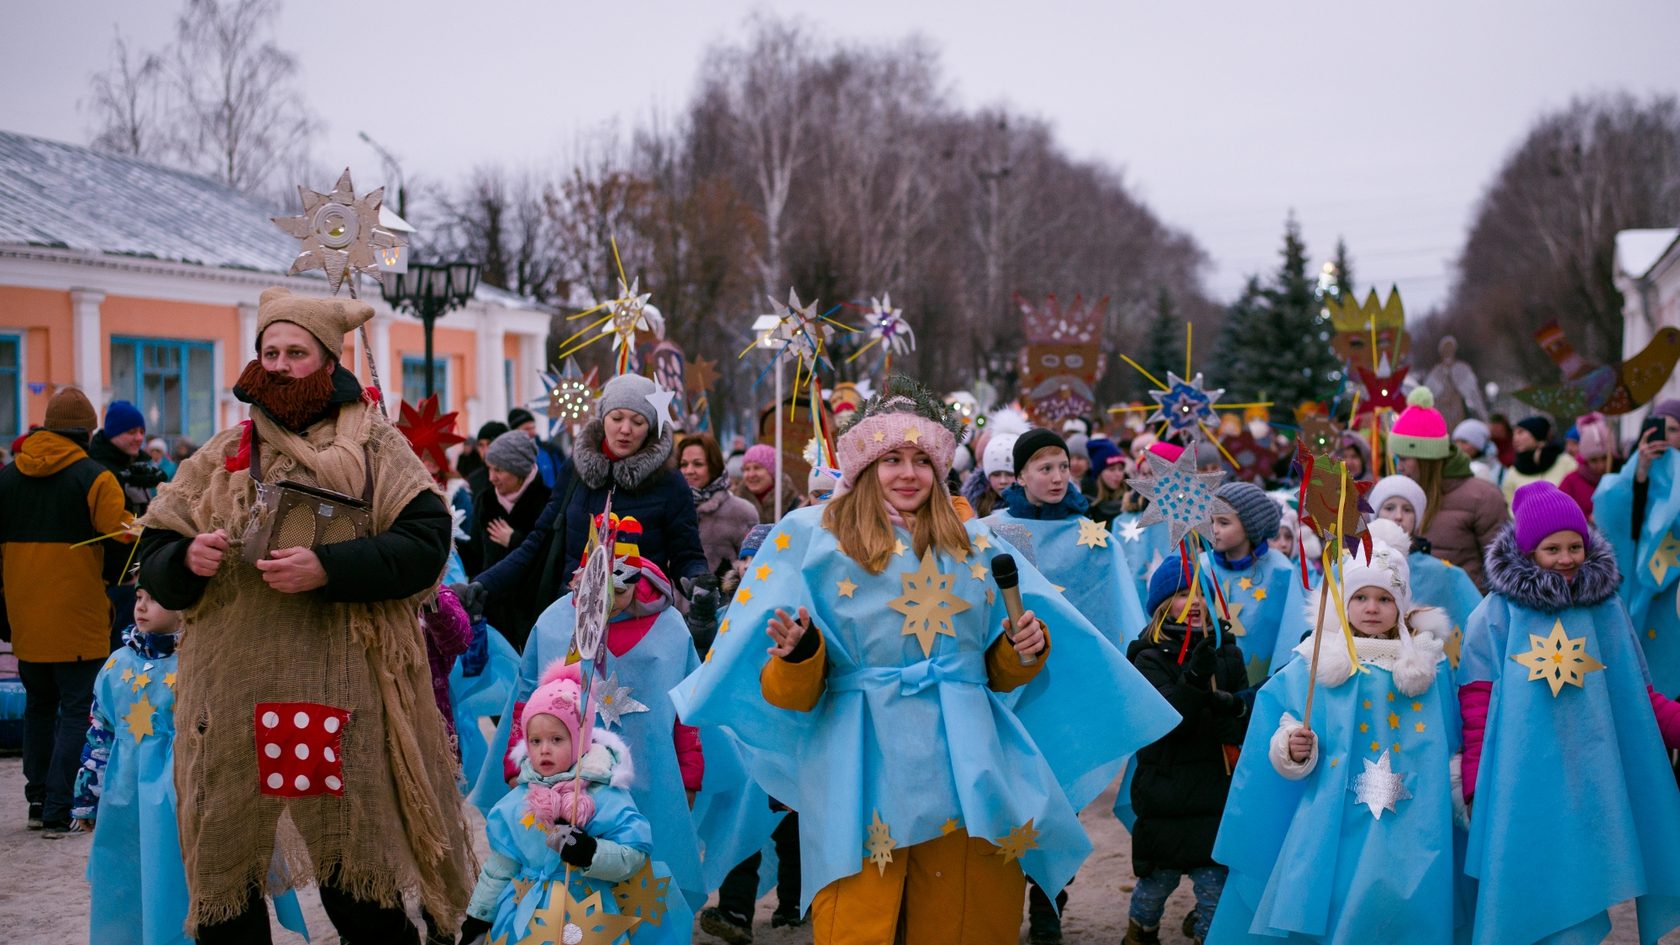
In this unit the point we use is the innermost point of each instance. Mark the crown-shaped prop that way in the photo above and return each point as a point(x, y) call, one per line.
point(1053, 323)
point(1351, 315)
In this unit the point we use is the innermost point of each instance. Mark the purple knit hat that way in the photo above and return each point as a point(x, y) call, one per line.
point(1540, 509)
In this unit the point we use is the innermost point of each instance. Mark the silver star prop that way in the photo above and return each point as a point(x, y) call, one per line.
point(1379, 787)
point(1178, 495)
point(632, 313)
point(340, 234)
point(615, 702)
point(1185, 406)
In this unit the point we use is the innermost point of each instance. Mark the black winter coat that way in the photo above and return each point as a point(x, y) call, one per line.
point(515, 612)
point(1182, 780)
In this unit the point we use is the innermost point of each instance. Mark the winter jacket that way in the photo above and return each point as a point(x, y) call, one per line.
point(51, 498)
point(1182, 780)
point(1548, 463)
point(642, 486)
point(725, 519)
point(1466, 518)
point(514, 612)
point(765, 506)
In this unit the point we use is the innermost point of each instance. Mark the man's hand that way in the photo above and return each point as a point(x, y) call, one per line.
point(293, 571)
point(204, 555)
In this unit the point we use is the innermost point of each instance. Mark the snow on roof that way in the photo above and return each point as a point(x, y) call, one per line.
point(1638, 250)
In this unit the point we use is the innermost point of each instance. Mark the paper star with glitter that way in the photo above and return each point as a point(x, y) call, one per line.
point(1666, 556)
point(1092, 535)
point(615, 702)
point(643, 894)
point(139, 718)
point(573, 922)
point(1559, 659)
point(1020, 840)
point(1131, 531)
point(927, 603)
point(1185, 405)
point(879, 844)
point(1178, 495)
point(340, 234)
point(660, 400)
point(429, 433)
point(1379, 787)
point(631, 313)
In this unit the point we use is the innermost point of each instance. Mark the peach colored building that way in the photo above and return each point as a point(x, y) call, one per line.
point(140, 282)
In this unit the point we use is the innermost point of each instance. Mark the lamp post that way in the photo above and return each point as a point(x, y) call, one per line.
point(429, 291)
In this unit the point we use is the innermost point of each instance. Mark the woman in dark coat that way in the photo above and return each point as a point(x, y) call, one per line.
point(504, 512)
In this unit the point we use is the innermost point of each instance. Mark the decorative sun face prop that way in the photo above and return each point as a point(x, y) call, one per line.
point(340, 234)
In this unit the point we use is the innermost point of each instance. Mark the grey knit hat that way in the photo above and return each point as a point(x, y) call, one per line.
point(512, 452)
point(628, 392)
point(1258, 512)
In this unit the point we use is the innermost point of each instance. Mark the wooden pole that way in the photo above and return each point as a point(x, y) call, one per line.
point(1318, 641)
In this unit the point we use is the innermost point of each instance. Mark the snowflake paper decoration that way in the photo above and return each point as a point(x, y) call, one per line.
point(1379, 787)
point(928, 604)
point(574, 922)
point(1559, 659)
point(1185, 406)
point(427, 432)
point(643, 895)
point(1020, 840)
point(340, 234)
point(1092, 535)
point(879, 844)
point(1178, 495)
point(615, 702)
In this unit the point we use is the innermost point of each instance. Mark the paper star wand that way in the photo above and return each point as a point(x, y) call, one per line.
point(1185, 407)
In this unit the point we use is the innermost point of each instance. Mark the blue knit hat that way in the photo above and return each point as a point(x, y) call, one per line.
point(121, 417)
point(754, 540)
point(1167, 580)
point(1103, 452)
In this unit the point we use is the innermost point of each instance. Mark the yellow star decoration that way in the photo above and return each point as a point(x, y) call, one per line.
point(982, 542)
point(1391, 697)
point(1666, 556)
point(1092, 535)
point(1246, 583)
point(1367, 703)
point(991, 595)
point(1375, 746)
point(1236, 609)
point(1393, 720)
point(521, 887)
point(1454, 647)
point(1020, 840)
point(141, 680)
point(111, 662)
point(1558, 659)
point(1417, 707)
point(1364, 726)
point(568, 920)
point(847, 588)
point(880, 436)
point(127, 673)
point(723, 627)
point(763, 572)
point(977, 572)
point(1260, 594)
point(530, 821)
point(1419, 727)
point(898, 547)
point(880, 844)
point(782, 542)
point(912, 435)
point(643, 895)
point(169, 680)
point(927, 603)
point(139, 718)
point(949, 827)
point(743, 595)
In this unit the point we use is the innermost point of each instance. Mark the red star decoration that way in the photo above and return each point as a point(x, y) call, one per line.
point(1381, 390)
point(428, 433)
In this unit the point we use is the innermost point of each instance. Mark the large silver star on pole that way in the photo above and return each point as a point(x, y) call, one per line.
point(615, 702)
point(341, 234)
point(1185, 406)
point(1178, 495)
point(1379, 787)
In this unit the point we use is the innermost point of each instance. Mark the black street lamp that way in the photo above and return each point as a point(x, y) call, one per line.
point(430, 290)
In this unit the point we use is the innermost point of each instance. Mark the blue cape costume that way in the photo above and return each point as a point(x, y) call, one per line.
point(1085, 561)
point(1144, 550)
point(1256, 597)
point(1435, 583)
point(1308, 861)
point(919, 741)
point(519, 917)
point(1649, 560)
point(478, 688)
point(1575, 807)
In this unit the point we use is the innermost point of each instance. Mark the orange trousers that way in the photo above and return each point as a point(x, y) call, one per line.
point(954, 890)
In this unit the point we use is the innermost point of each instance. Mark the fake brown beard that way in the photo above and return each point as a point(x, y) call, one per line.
point(294, 401)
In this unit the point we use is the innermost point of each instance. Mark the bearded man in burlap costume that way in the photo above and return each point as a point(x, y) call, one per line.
point(304, 709)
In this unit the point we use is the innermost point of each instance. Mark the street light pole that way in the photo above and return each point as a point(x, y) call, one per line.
point(431, 290)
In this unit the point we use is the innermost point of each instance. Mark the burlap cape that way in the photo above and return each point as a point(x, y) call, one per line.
point(398, 826)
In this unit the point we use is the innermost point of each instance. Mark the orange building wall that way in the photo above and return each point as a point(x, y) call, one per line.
point(154, 318)
point(44, 319)
point(455, 346)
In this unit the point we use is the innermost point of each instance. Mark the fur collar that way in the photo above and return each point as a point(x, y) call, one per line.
point(606, 762)
point(1516, 576)
point(1413, 667)
point(630, 473)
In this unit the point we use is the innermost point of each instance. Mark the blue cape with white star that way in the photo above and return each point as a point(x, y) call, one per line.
point(1435, 583)
point(1575, 807)
point(1093, 576)
point(922, 742)
point(1144, 550)
point(1308, 861)
point(1649, 560)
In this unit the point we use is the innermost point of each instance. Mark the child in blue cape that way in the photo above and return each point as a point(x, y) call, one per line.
point(567, 846)
point(1143, 548)
point(925, 798)
point(1179, 783)
point(1638, 510)
point(125, 792)
point(1253, 579)
point(1573, 803)
point(1345, 833)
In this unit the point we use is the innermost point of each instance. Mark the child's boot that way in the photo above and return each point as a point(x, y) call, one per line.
point(1044, 922)
point(1138, 935)
point(729, 926)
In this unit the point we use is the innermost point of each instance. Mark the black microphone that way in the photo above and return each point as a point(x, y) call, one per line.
point(1008, 579)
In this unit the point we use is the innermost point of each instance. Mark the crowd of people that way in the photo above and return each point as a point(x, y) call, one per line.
point(884, 693)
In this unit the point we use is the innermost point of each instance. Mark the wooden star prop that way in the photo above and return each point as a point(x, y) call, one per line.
point(846, 587)
point(1379, 787)
point(879, 844)
point(615, 702)
point(1092, 535)
point(1185, 405)
point(340, 233)
point(139, 718)
point(428, 432)
point(572, 922)
point(1666, 556)
point(1178, 495)
point(927, 603)
point(643, 895)
point(1559, 659)
point(1020, 840)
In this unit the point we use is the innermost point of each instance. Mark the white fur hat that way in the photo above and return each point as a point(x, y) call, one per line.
point(1000, 453)
point(1421, 630)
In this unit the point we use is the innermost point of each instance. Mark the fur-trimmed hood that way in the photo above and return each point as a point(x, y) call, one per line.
point(1516, 576)
point(630, 473)
point(1412, 663)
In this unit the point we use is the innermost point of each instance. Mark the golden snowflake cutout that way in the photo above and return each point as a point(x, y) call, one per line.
point(928, 604)
point(1454, 647)
point(1558, 659)
point(340, 234)
point(1020, 840)
point(880, 844)
point(575, 922)
point(1092, 535)
point(643, 895)
point(1666, 556)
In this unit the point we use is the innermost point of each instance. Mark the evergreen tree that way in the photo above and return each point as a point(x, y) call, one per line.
point(1163, 341)
point(1236, 359)
point(1344, 271)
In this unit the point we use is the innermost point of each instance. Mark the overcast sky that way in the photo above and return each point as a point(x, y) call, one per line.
point(1377, 120)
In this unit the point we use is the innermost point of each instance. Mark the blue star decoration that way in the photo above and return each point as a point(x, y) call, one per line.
point(1178, 495)
point(1185, 405)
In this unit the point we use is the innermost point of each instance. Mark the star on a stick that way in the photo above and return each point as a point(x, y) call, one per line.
point(1185, 405)
point(615, 702)
point(660, 400)
point(1379, 787)
point(927, 603)
point(879, 844)
point(1092, 535)
point(1020, 840)
point(1178, 495)
point(139, 718)
point(1559, 659)
point(338, 232)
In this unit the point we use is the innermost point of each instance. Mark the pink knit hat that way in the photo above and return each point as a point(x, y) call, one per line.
point(560, 694)
point(1420, 431)
point(761, 453)
point(1540, 509)
point(904, 414)
point(1167, 451)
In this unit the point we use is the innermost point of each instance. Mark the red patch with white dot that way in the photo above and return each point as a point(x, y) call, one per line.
point(298, 748)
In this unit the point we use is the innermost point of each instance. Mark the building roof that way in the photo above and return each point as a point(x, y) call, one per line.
point(1639, 250)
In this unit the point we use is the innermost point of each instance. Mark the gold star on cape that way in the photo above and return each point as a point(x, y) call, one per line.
point(127, 673)
point(568, 920)
point(949, 827)
point(1020, 840)
point(1092, 535)
point(141, 680)
point(763, 572)
point(643, 895)
point(1666, 556)
point(977, 572)
point(1454, 647)
point(982, 542)
point(111, 662)
point(879, 844)
point(139, 718)
point(743, 595)
point(927, 603)
point(169, 680)
point(782, 542)
point(1558, 659)
point(898, 546)
point(1235, 609)
point(846, 587)
point(1260, 594)
point(1379, 787)
point(723, 627)
point(339, 233)
point(1246, 583)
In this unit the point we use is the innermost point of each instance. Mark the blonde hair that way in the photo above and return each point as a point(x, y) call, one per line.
point(1429, 478)
point(860, 524)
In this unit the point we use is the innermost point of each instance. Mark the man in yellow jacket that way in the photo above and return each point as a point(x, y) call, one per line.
point(53, 500)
